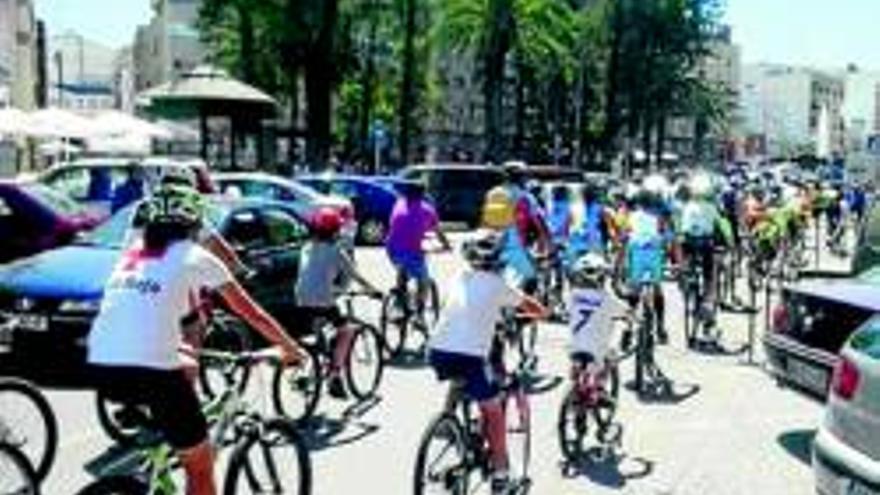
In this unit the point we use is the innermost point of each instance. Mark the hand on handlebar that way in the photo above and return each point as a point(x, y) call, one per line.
point(291, 355)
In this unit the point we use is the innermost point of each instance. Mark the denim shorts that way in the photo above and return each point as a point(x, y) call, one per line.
point(411, 263)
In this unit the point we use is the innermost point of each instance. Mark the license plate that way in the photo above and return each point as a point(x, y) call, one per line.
point(807, 375)
point(34, 323)
point(856, 488)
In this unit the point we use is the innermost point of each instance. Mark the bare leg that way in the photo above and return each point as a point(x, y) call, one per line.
point(198, 463)
point(496, 433)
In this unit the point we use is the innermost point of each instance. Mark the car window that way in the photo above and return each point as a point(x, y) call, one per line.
point(53, 199)
point(344, 189)
point(71, 181)
point(322, 186)
point(283, 228)
point(246, 230)
point(867, 339)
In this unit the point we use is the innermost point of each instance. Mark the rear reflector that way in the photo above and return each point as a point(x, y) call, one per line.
point(846, 378)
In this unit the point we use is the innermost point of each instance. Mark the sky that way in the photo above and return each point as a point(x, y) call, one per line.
point(822, 33)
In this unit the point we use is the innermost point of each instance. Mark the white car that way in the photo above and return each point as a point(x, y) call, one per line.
point(846, 451)
point(303, 199)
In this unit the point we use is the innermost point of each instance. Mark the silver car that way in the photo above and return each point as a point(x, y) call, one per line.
point(846, 451)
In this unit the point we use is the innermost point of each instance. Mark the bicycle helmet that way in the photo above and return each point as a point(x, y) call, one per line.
point(326, 222)
point(701, 187)
point(483, 252)
point(514, 170)
point(588, 271)
point(172, 204)
point(413, 188)
point(560, 192)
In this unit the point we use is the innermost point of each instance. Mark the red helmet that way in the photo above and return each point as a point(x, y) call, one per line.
point(326, 221)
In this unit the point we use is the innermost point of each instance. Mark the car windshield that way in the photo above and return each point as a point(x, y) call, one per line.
point(867, 339)
point(112, 233)
point(872, 276)
point(53, 200)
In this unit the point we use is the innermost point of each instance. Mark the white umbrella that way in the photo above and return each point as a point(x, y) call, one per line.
point(58, 147)
point(13, 122)
point(55, 122)
point(114, 123)
point(128, 145)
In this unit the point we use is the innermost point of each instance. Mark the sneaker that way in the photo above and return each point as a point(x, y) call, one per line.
point(500, 483)
point(336, 388)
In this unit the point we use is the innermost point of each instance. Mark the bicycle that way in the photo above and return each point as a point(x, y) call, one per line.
point(403, 314)
point(551, 283)
point(17, 475)
point(297, 391)
point(648, 375)
point(458, 431)
point(699, 326)
point(253, 467)
point(591, 398)
point(28, 424)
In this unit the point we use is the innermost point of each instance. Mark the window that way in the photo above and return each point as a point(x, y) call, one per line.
point(344, 189)
point(283, 228)
point(246, 230)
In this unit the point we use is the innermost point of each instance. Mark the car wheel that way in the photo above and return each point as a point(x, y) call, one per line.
point(372, 231)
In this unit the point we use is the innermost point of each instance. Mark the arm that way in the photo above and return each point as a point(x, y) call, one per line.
point(444, 240)
point(351, 271)
point(242, 305)
point(217, 245)
point(533, 308)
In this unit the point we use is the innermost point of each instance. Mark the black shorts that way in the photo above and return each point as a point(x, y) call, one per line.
point(305, 318)
point(168, 394)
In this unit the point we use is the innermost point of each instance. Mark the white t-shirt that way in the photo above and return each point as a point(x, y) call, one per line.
point(698, 219)
point(144, 300)
point(592, 313)
point(473, 308)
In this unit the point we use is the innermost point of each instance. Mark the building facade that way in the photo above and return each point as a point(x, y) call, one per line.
point(169, 45)
point(81, 73)
point(861, 106)
point(793, 110)
point(19, 57)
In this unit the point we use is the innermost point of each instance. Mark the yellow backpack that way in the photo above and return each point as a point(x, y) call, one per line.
point(498, 209)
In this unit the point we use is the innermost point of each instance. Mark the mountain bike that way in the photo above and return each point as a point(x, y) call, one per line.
point(403, 315)
point(255, 465)
point(17, 475)
point(454, 449)
point(297, 391)
point(28, 423)
point(699, 317)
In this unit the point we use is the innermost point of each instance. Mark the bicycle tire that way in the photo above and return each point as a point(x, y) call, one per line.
point(116, 485)
point(366, 349)
point(393, 327)
point(43, 457)
point(108, 419)
point(305, 380)
point(241, 472)
point(571, 442)
point(455, 478)
point(17, 474)
point(432, 311)
point(519, 435)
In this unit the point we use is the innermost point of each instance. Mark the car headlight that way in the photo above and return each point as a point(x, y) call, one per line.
point(77, 306)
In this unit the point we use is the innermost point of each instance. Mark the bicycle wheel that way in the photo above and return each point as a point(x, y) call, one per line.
point(28, 423)
point(17, 475)
point(365, 363)
point(225, 334)
point(572, 426)
point(432, 305)
point(296, 390)
point(271, 459)
point(116, 485)
point(393, 323)
point(123, 423)
point(441, 460)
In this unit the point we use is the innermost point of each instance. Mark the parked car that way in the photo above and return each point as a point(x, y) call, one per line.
point(554, 173)
point(95, 181)
point(457, 190)
point(34, 218)
point(811, 324)
point(301, 198)
point(55, 294)
point(846, 449)
point(372, 201)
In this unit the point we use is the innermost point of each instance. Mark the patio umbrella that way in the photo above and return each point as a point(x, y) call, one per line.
point(13, 122)
point(113, 123)
point(59, 123)
point(58, 147)
point(207, 91)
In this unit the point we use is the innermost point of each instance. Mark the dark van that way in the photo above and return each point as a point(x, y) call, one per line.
point(457, 189)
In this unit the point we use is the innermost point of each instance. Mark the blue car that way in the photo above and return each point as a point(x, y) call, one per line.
point(373, 201)
point(54, 295)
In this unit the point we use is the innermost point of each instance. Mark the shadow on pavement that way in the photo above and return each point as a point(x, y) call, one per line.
point(321, 432)
point(609, 470)
point(541, 384)
point(668, 393)
point(799, 444)
point(408, 360)
point(62, 376)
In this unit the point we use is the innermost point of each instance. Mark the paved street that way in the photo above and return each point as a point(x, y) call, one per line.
point(739, 434)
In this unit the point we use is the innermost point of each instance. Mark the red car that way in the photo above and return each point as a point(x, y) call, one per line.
point(34, 218)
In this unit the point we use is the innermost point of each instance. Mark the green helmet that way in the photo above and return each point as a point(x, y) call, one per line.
point(172, 204)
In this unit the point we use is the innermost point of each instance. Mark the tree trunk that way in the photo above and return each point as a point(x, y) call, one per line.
point(519, 139)
point(661, 137)
point(246, 31)
point(612, 111)
point(294, 123)
point(498, 45)
point(407, 86)
point(319, 87)
point(367, 98)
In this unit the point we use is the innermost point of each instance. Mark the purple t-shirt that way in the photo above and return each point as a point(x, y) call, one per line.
point(410, 221)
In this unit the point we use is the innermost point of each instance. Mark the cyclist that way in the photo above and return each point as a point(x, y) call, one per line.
point(593, 309)
point(321, 263)
point(135, 338)
point(412, 219)
point(462, 342)
point(590, 231)
point(702, 225)
point(559, 215)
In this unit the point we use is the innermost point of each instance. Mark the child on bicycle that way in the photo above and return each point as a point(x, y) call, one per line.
point(322, 260)
point(593, 309)
point(464, 335)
